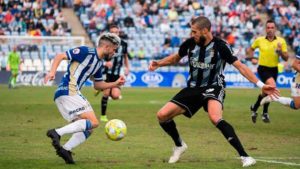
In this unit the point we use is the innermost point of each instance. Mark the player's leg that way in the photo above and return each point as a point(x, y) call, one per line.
point(264, 74)
point(214, 109)
point(10, 79)
point(115, 93)
point(104, 102)
point(165, 117)
point(296, 103)
point(265, 115)
point(14, 78)
point(80, 136)
point(77, 110)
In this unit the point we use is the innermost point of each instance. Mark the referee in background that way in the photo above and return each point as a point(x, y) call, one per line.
point(271, 48)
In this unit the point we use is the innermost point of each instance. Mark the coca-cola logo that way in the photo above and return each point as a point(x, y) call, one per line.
point(33, 78)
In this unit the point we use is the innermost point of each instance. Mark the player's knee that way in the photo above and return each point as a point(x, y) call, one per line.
point(214, 119)
point(297, 107)
point(115, 97)
point(95, 123)
point(162, 116)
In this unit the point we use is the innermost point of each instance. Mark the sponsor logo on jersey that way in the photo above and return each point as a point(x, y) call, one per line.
point(201, 65)
point(76, 110)
point(76, 51)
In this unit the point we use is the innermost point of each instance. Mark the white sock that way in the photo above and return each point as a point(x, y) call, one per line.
point(285, 100)
point(77, 126)
point(74, 141)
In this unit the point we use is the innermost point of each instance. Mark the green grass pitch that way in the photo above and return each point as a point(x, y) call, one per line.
point(27, 113)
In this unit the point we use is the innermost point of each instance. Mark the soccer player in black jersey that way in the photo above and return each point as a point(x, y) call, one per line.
point(113, 70)
point(205, 87)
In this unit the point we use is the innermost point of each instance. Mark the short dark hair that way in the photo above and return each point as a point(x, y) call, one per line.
point(114, 26)
point(270, 21)
point(202, 22)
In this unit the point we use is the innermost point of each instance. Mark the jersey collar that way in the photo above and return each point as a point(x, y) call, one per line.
point(272, 40)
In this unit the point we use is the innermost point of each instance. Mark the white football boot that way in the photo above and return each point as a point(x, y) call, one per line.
point(177, 152)
point(247, 161)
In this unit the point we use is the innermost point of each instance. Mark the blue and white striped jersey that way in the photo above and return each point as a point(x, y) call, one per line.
point(83, 63)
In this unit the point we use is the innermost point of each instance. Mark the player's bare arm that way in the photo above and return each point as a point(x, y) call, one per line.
point(51, 74)
point(126, 63)
point(296, 65)
point(169, 60)
point(102, 85)
point(246, 72)
point(249, 54)
point(283, 55)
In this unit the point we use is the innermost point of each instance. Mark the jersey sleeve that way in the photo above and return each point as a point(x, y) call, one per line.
point(98, 75)
point(227, 53)
point(255, 44)
point(77, 54)
point(183, 49)
point(284, 46)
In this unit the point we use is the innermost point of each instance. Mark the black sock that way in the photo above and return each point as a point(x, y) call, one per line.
point(266, 107)
point(170, 128)
point(257, 103)
point(104, 105)
point(228, 132)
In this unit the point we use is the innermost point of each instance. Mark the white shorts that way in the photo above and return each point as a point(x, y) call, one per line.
point(72, 106)
point(295, 86)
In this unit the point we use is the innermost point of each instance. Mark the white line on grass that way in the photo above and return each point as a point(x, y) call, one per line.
point(279, 158)
point(278, 162)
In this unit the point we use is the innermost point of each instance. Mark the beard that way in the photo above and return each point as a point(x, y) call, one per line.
point(202, 40)
point(106, 57)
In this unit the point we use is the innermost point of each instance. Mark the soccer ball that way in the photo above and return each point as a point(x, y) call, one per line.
point(115, 129)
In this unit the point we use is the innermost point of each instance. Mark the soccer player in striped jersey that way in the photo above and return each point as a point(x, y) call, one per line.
point(73, 106)
point(294, 101)
point(113, 70)
point(205, 87)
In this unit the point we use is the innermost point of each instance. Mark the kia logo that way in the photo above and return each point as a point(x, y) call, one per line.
point(152, 78)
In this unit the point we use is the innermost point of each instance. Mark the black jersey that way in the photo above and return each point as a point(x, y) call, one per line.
point(117, 60)
point(206, 63)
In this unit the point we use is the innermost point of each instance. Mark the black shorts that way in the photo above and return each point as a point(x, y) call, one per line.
point(267, 72)
point(192, 99)
point(111, 78)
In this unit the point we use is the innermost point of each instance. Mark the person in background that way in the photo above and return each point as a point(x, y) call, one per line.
point(13, 65)
point(294, 101)
point(113, 70)
point(271, 49)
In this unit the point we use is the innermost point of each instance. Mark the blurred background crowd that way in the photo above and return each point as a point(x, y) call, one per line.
point(153, 29)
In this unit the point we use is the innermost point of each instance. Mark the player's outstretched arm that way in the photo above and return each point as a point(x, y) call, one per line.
point(296, 65)
point(102, 85)
point(169, 60)
point(51, 74)
point(246, 72)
